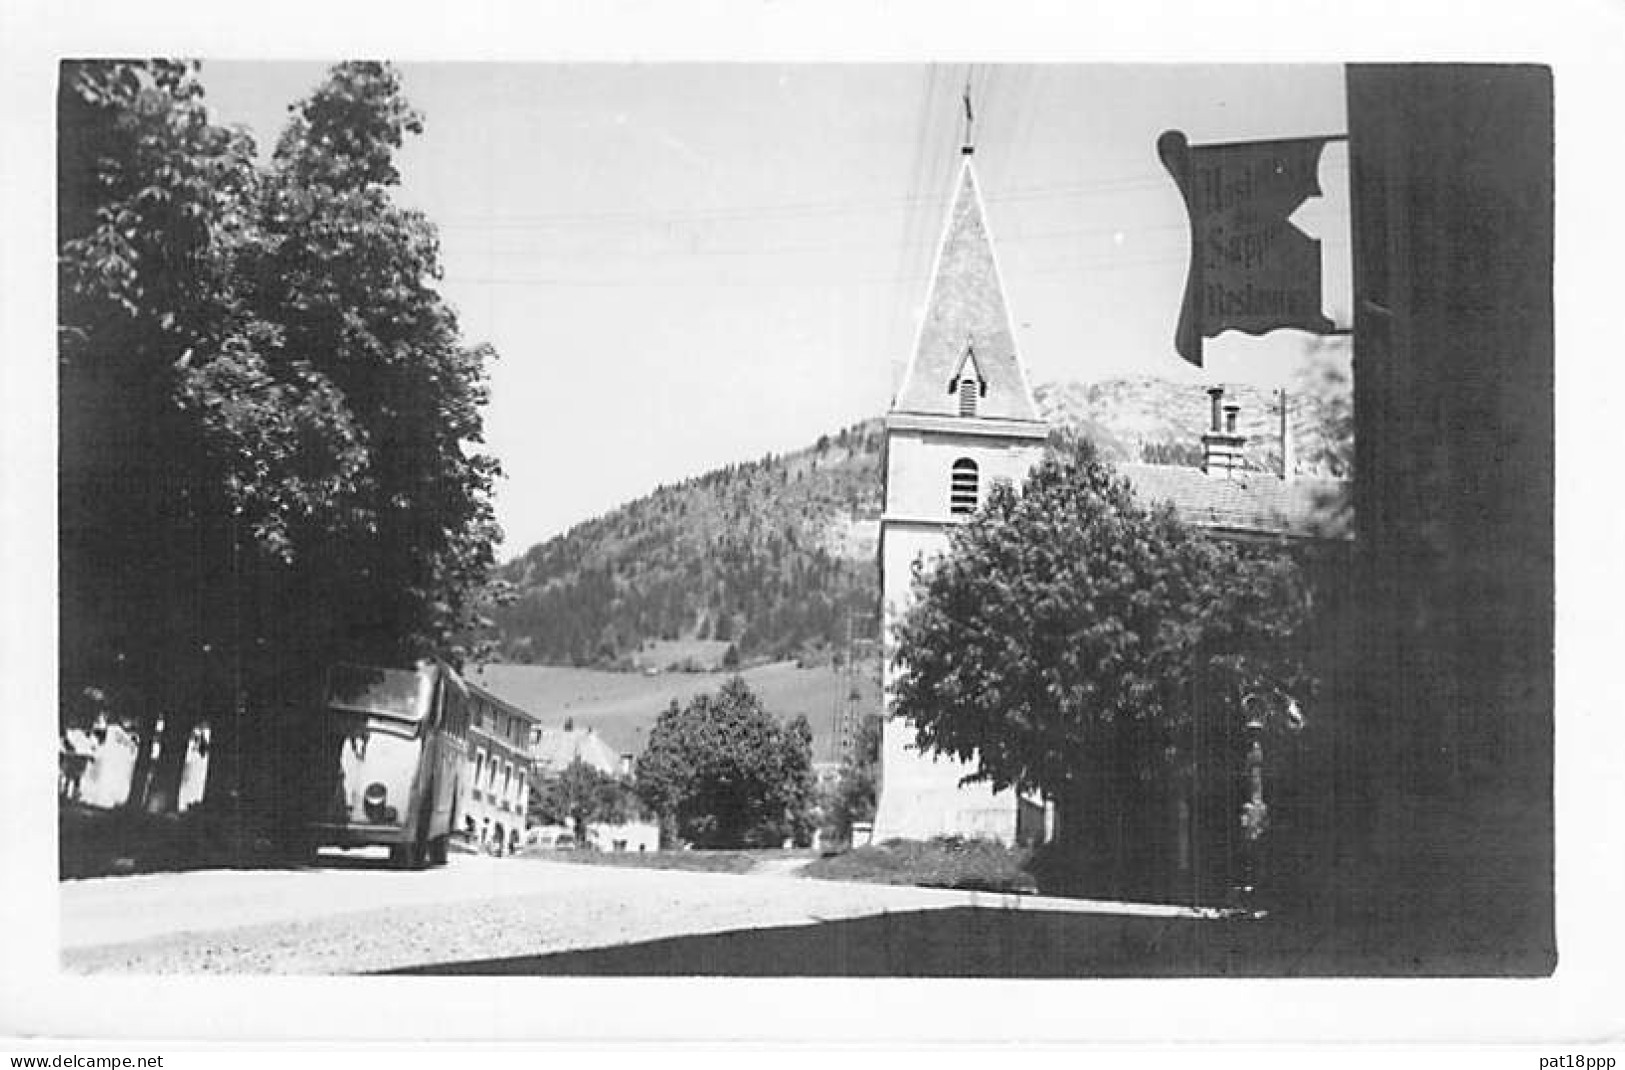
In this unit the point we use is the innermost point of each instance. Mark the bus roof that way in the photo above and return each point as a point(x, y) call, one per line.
point(402, 694)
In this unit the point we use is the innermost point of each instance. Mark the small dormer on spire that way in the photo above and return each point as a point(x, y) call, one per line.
point(968, 383)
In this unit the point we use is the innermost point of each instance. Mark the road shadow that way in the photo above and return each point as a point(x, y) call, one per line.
point(992, 943)
point(94, 842)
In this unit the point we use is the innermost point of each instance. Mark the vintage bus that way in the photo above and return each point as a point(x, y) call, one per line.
point(388, 752)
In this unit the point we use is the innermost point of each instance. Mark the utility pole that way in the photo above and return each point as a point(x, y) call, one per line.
point(846, 731)
point(969, 144)
point(1287, 460)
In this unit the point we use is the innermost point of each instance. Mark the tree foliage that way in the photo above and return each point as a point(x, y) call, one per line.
point(579, 795)
point(270, 429)
point(723, 772)
point(149, 207)
point(1072, 637)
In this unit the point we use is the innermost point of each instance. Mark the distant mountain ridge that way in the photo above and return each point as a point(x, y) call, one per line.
point(1158, 422)
point(776, 558)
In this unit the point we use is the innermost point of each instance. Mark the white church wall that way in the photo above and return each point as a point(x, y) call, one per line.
point(920, 465)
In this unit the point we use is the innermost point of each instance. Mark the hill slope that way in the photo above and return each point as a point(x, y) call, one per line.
point(775, 558)
point(770, 557)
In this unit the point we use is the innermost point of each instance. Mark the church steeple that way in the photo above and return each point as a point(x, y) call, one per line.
point(963, 422)
point(966, 313)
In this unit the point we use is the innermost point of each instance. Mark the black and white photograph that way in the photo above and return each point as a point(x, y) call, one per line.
point(969, 517)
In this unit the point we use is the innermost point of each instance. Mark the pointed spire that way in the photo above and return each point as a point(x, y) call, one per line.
point(966, 313)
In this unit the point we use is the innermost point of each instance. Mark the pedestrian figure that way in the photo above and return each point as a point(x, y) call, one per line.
point(72, 761)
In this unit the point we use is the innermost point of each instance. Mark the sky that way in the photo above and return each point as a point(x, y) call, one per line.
point(687, 265)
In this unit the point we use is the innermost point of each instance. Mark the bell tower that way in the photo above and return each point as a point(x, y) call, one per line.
point(963, 420)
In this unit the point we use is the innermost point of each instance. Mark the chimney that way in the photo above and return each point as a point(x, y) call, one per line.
point(1221, 446)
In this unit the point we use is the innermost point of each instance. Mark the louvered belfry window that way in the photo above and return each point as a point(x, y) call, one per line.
point(962, 487)
point(969, 388)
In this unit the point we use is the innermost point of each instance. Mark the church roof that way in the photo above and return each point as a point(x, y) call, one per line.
point(966, 310)
point(556, 748)
point(1248, 502)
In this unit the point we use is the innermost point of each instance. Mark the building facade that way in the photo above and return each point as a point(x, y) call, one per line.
point(495, 795)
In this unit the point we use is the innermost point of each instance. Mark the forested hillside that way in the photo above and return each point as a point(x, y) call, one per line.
point(770, 557)
point(775, 558)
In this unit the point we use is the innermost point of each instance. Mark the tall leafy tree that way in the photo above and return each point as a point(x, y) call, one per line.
point(1073, 640)
point(150, 198)
point(270, 427)
point(723, 772)
point(579, 795)
point(381, 554)
point(350, 276)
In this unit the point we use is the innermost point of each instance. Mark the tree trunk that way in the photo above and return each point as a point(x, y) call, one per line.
point(146, 728)
point(225, 773)
point(163, 796)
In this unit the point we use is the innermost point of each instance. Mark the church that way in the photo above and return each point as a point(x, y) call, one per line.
point(964, 420)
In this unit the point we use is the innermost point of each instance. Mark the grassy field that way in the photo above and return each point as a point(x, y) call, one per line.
point(939, 863)
point(692, 861)
point(662, 654)
point(622, 707)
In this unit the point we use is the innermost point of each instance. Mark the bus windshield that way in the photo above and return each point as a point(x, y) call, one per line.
point(397, 694)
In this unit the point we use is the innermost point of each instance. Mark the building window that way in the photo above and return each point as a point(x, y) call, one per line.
point(479, 768)
point(969, 390)
point(962, 488)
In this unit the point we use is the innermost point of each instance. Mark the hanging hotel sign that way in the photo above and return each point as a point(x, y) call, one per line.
point(1251, 269)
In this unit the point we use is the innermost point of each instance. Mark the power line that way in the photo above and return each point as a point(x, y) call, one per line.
point(934, 199)
point(771, 249)
point(1144, 181)
point(567, 282)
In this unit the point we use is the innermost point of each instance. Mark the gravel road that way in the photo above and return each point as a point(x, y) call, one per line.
point(358, 916)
